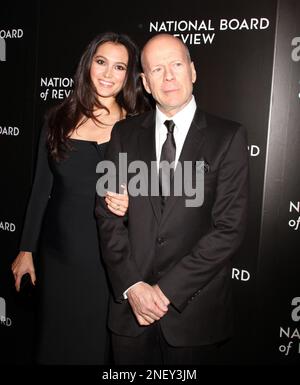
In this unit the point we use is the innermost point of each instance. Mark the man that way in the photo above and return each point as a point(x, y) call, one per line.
point(169, 265)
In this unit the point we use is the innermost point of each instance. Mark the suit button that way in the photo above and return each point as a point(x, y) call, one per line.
point(160, 240)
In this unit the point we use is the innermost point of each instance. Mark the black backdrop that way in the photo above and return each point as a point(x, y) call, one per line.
point(248, 72)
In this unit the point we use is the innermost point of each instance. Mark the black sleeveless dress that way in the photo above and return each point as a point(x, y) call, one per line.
point(60, 225)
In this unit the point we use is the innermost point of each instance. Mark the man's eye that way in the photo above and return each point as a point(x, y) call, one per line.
point(155, 70)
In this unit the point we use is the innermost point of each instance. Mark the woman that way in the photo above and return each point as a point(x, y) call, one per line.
point(72, 279)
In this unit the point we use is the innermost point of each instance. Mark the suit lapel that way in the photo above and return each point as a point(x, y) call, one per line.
point(147, 152)
point(190, 150)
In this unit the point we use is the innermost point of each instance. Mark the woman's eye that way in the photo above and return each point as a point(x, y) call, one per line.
point(100, 61)
point(120, 68)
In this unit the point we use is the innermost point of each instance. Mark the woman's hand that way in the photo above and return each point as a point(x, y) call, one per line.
point(117, 203)
point(21, 265)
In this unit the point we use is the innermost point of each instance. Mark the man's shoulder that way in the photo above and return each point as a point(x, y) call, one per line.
point(220, 127)
point(219, 123)
point(136, 122)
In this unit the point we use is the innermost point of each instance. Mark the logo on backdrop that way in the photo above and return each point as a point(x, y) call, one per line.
point(294, 209)
point(55, 88)
point(291, 334)
point(253, 150)
point(8, 34)
point(195, 32)
point(7, 226)
point(9, 130)
point(240, 274)
point(4, 320)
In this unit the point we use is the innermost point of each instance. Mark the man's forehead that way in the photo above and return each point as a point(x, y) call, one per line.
point(164, 54)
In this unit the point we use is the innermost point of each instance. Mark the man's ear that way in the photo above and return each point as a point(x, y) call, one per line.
point(145, 83)
point(194, 73)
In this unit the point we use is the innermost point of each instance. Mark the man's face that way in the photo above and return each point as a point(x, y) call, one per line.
point(168, 73)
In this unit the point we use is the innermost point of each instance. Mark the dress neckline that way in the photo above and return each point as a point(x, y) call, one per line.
point(88, 141)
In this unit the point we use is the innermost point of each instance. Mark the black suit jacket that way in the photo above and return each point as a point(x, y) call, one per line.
point(185, 250)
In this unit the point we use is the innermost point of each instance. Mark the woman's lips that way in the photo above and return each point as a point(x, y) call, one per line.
point(105, 83)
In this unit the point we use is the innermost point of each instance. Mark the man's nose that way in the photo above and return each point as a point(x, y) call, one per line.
point(169, 75)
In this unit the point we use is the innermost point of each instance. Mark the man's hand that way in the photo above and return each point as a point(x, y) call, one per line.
point(147, 305)
point(163, 298)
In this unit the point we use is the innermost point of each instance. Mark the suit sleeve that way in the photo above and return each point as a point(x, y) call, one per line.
point(39, 197)
point(113, 232)
point(228, 223)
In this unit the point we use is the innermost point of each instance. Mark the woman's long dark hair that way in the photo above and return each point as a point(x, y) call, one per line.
point(63, 119)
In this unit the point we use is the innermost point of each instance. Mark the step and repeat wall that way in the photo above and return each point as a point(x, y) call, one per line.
point(247, 57)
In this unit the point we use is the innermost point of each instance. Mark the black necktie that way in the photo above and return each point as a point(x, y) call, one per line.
point(168, 153)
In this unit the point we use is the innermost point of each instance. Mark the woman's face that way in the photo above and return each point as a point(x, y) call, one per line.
point(108, 69)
